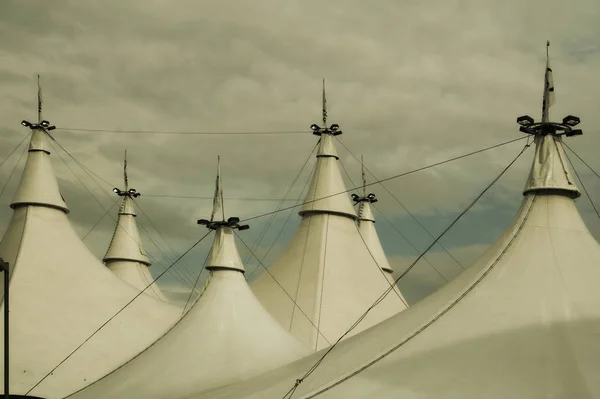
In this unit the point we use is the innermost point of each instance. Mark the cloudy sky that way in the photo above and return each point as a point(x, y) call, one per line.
point(411, 83)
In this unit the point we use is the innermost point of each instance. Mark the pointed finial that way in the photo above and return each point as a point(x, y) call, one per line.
point(42, 125)
point(549, 98)
point(218, 198)
point(232, 222)
point(125, 172)
point(317, 130)
point(530, 126)
point(128, 192)
point(39, 99)
point(324, 103)
point(364, 176)
point(365, 198)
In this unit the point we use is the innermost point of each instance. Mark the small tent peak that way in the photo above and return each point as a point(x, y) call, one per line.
point(126, 244)
point(364, 206)
point(223, 253)
point(365, 200)
point(550, 172)
point(129, 194)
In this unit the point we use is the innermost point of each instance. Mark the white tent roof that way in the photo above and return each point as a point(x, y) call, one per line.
point(227, 336)
point(126, 256)
point(326, 270)
point(61, 294)
point(522, 322)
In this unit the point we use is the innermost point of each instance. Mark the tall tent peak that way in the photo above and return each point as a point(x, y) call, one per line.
point(550, 172)
point(327, 192)
point(318, 286)
point(223, 253)
point(38, 186)
point(326, 147)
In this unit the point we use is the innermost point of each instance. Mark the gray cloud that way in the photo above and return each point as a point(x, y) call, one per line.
point(410, 84)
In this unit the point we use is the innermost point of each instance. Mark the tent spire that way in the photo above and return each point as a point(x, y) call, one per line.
point(324, 104)
point(366, 226)
point(327, 262)
point(38, 184)
point(364, 202)
point(39, 99)
point(218, 198)
point(364, 176)
point(125, 172)
point(549, 98)
point(223, 254)
point(549, 172)
point(126, 244)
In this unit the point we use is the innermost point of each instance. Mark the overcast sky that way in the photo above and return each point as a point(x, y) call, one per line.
point(410, 83)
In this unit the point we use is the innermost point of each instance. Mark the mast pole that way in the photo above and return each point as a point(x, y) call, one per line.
point(324, 103)
point(548, 87)
point(39, 98)
point(364, 177)
point(221, 185)
point(125, 172)
point(4, 268)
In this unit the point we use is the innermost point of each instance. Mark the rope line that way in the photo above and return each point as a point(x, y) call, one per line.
point(409, 243)
point(357, 226)
point(211, 198)
point(402, 205)
point(290, 393)
point(176, 132)
point(106, 211)
point(287, 220)
point(379, 267)
point(279, 205)
point(196, 282)
point(583, 185)
point(184, 274)
point(115, 315)
point(99, 220)
point(444, 311)
point(167, 257)
point(386, 218)
point(322, 281)
point(585, 163)
point(280, 286)
point(12, 172)
point(303, 255)
point(392, 177)
point(14, 149)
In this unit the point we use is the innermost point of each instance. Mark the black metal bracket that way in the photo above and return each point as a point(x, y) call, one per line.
point(529, 126)
point(232, 222)
point(43, 126)
point(131, 193)
point(369, 198)
point(318, 130)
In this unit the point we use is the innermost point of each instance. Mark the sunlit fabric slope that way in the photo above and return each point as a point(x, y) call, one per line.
point(327, 269)
point(61, 294)
point(226, 337)
point(126, 257)
point(522, 322)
